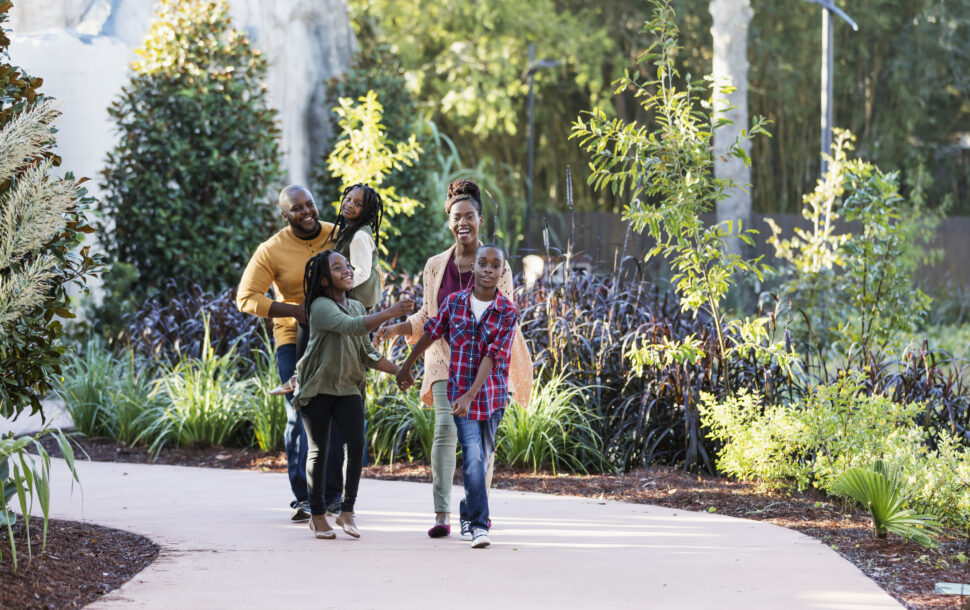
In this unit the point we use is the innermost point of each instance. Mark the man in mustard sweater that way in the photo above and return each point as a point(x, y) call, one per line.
point(279, 262)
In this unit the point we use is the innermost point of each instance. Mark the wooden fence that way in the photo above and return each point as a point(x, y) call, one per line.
point(601, 236)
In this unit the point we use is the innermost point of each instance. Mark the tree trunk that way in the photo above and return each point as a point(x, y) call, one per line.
point(729, 32)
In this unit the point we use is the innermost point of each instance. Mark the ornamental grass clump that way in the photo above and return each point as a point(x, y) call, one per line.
point(398, 425)
point(267, 413)
point(556, 431)
point(203, 403)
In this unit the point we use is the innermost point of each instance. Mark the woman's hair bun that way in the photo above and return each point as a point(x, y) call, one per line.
point(464, 187)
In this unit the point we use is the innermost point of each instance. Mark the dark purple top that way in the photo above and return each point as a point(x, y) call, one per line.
point(452, 281)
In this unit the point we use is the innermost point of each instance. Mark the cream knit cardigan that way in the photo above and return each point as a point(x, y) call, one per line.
point(437, 358)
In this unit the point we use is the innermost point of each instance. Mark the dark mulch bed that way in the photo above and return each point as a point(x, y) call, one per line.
point(82, 562)
point(906, 570)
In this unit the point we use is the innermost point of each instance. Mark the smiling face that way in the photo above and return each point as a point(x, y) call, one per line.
point(300, 211)
point(341, 274)
point(464, 222)
point(489, 267)
point(353, 205)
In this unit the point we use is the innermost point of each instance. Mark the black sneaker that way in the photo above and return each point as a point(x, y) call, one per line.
point(301, 511)
point(334, 508)
point(466, 530)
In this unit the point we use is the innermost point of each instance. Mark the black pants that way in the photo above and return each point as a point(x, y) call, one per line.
point(335, 459)
point(318, 414)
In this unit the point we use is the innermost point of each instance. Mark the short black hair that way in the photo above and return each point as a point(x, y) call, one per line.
point(505, 257)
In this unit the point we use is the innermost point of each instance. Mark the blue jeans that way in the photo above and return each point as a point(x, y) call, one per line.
point(295, 441)
point(477, 440)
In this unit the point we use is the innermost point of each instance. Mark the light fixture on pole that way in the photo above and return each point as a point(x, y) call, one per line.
point(529, 75)
point(827, 70)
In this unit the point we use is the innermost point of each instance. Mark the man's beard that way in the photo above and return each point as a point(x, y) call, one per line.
point(297, 227)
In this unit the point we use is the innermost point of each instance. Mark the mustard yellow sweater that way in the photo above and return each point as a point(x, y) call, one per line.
point(279, 262)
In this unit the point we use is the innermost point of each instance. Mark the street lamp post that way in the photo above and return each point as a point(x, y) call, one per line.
point(529, 75)
point(828, 50)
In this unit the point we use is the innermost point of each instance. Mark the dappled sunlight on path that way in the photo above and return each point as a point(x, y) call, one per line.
point(227, 542)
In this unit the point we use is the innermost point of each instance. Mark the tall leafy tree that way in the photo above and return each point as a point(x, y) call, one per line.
point(43, 219)
point(465, 61)
point(189, 183)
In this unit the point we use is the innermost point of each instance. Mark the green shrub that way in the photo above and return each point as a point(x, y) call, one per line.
point(760, 443)
point(834, 429)
point(831, 429)
point(43, 220)
point(188, 186)
point(878, 490)
point(857, 288)
point(27, 476)
point(557, 429)
point(937, 480)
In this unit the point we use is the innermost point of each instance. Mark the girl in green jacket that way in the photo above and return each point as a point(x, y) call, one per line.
point(331, 377)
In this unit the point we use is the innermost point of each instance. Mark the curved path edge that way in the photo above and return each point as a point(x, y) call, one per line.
point(227, 542)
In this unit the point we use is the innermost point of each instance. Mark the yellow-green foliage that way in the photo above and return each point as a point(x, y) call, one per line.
point(834, 428)
point(469, 56)
point(938, 481)
point(363, 155)
point(809, 443)
point(857, 287)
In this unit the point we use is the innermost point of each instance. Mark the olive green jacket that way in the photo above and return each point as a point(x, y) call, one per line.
point(338, 354)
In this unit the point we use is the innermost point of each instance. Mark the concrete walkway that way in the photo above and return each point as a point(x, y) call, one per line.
point(227, 542)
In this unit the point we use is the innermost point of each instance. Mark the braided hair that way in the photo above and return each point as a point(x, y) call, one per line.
point(462, 190)
point(372, 214)
point(317, 268)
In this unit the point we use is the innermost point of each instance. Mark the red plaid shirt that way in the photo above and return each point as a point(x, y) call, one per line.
point(472, 340)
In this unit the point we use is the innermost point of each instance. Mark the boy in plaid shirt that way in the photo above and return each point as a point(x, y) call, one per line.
point(479, 323)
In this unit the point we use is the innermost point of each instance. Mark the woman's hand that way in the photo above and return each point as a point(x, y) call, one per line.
point(386, 333)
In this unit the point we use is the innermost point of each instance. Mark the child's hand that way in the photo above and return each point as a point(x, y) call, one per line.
point(403, 307)
point(404, 379)
point(385, 333)
point(461, 406)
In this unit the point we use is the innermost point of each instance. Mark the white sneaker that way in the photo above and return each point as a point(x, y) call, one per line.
point(480, 538)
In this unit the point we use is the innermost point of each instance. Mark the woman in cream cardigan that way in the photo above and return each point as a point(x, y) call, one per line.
point(445, 273)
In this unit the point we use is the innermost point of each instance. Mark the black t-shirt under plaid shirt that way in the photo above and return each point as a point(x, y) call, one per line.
point(470, 341)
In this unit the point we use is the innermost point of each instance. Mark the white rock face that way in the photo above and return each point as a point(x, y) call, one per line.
point(83, 49)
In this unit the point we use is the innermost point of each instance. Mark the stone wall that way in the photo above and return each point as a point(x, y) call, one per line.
point(83, 49)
